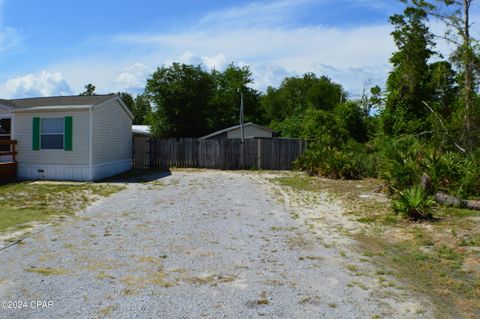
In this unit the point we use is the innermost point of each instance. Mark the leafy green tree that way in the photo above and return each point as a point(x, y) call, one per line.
point(89, 90)
point(181, 94)
point(336, 127)
point(128, 100)
point(296, 94)
point(225, 104)
point(190, 102)
point(142, 109)
point(408, 84)
point(443, 85)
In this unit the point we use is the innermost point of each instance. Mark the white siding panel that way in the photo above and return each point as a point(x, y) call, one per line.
point(54, 172)
point(27, 156)
point(249, 131)
point(112, 134)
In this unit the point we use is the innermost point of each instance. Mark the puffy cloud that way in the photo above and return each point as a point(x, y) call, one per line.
point(33, 85)
point(133, 78)
point(208, 63)
point(217, 62)
point(266, 35)
point(266, 75)
point(278, 51)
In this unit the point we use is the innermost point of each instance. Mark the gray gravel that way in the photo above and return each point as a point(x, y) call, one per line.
point(195, 244)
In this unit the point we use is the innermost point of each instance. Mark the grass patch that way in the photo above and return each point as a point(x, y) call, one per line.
point(24, 203)
point(263, 299)
point(212, 280)
point(107, 311)
point(48, 271)
point(438, 259)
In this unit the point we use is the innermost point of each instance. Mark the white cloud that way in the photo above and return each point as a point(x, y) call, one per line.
point(266, 75)
point(217, 62)
point(10, 38)
point(263, 35)
point(296, 50)
point(33, 85)
point(265, 13)
point(133, 77)
point(208, 63)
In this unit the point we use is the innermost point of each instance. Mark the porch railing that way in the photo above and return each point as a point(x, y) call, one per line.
point(11, 152)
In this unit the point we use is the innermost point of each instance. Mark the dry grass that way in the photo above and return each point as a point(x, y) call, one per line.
point(263, 299)
point(107, 311)
point(439, 259)
point(298, 241)
point(24, 203)
point(48, 271)
point(212, 280)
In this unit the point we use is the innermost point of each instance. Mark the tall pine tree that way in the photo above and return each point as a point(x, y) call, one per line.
point(408, 83)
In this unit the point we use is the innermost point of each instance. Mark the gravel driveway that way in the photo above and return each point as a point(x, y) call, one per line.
point(195, 244)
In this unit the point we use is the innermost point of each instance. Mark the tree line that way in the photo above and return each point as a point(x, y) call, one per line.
point(424, 125)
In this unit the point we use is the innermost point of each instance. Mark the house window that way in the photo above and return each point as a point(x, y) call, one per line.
point(52, 133)
point(5, 133)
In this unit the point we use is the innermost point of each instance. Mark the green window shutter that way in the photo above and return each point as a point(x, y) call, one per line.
point(36, 134)
point(68, 143)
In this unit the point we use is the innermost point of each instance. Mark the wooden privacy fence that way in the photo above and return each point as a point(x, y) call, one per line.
point(270, 154)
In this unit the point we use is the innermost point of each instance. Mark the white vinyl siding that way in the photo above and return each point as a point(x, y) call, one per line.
point(249, 131)
point(23, 134)
point(112, 134)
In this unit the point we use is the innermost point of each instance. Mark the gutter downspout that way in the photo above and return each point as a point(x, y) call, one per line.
point(90, 147)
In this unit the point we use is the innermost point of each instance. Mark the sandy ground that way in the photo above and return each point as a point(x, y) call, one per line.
point(200, 244)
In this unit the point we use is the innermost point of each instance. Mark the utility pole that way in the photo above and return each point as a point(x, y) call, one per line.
point(241, 116)
point(242, 158)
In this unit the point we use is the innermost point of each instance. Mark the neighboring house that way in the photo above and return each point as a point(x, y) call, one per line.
point(251, 130)
point(141, 130)
point(80, 138)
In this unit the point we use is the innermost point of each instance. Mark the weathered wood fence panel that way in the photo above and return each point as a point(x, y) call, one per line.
point(230, 154)
point(141, 152)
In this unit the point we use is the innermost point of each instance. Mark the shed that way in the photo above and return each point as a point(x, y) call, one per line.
point(78, 138)
point(141, 130)
point(251, 130)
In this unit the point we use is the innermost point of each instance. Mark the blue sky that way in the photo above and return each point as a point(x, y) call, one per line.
point(54, 47)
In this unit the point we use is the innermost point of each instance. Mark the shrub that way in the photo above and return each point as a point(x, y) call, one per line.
point(400, 163)
point(414, 203)
point(350, 162)
point(405, 160)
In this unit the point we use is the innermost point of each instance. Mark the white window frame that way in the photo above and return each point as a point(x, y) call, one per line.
point(63, 134)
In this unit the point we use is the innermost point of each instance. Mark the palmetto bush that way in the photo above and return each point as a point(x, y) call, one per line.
point(350, 162)
point(400, 163)
point(414, 203)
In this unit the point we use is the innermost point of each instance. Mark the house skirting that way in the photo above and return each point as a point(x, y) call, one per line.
point(72, 172)
point(53, 172)
point(104, 170)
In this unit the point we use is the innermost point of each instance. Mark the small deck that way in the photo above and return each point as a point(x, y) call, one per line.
point(8, 170)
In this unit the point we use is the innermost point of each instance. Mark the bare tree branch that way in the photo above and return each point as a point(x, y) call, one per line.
point(444, 128)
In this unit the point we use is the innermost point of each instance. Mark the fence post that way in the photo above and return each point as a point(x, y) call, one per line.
point(259, 154)
point(242, 157)
point(151, 153)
